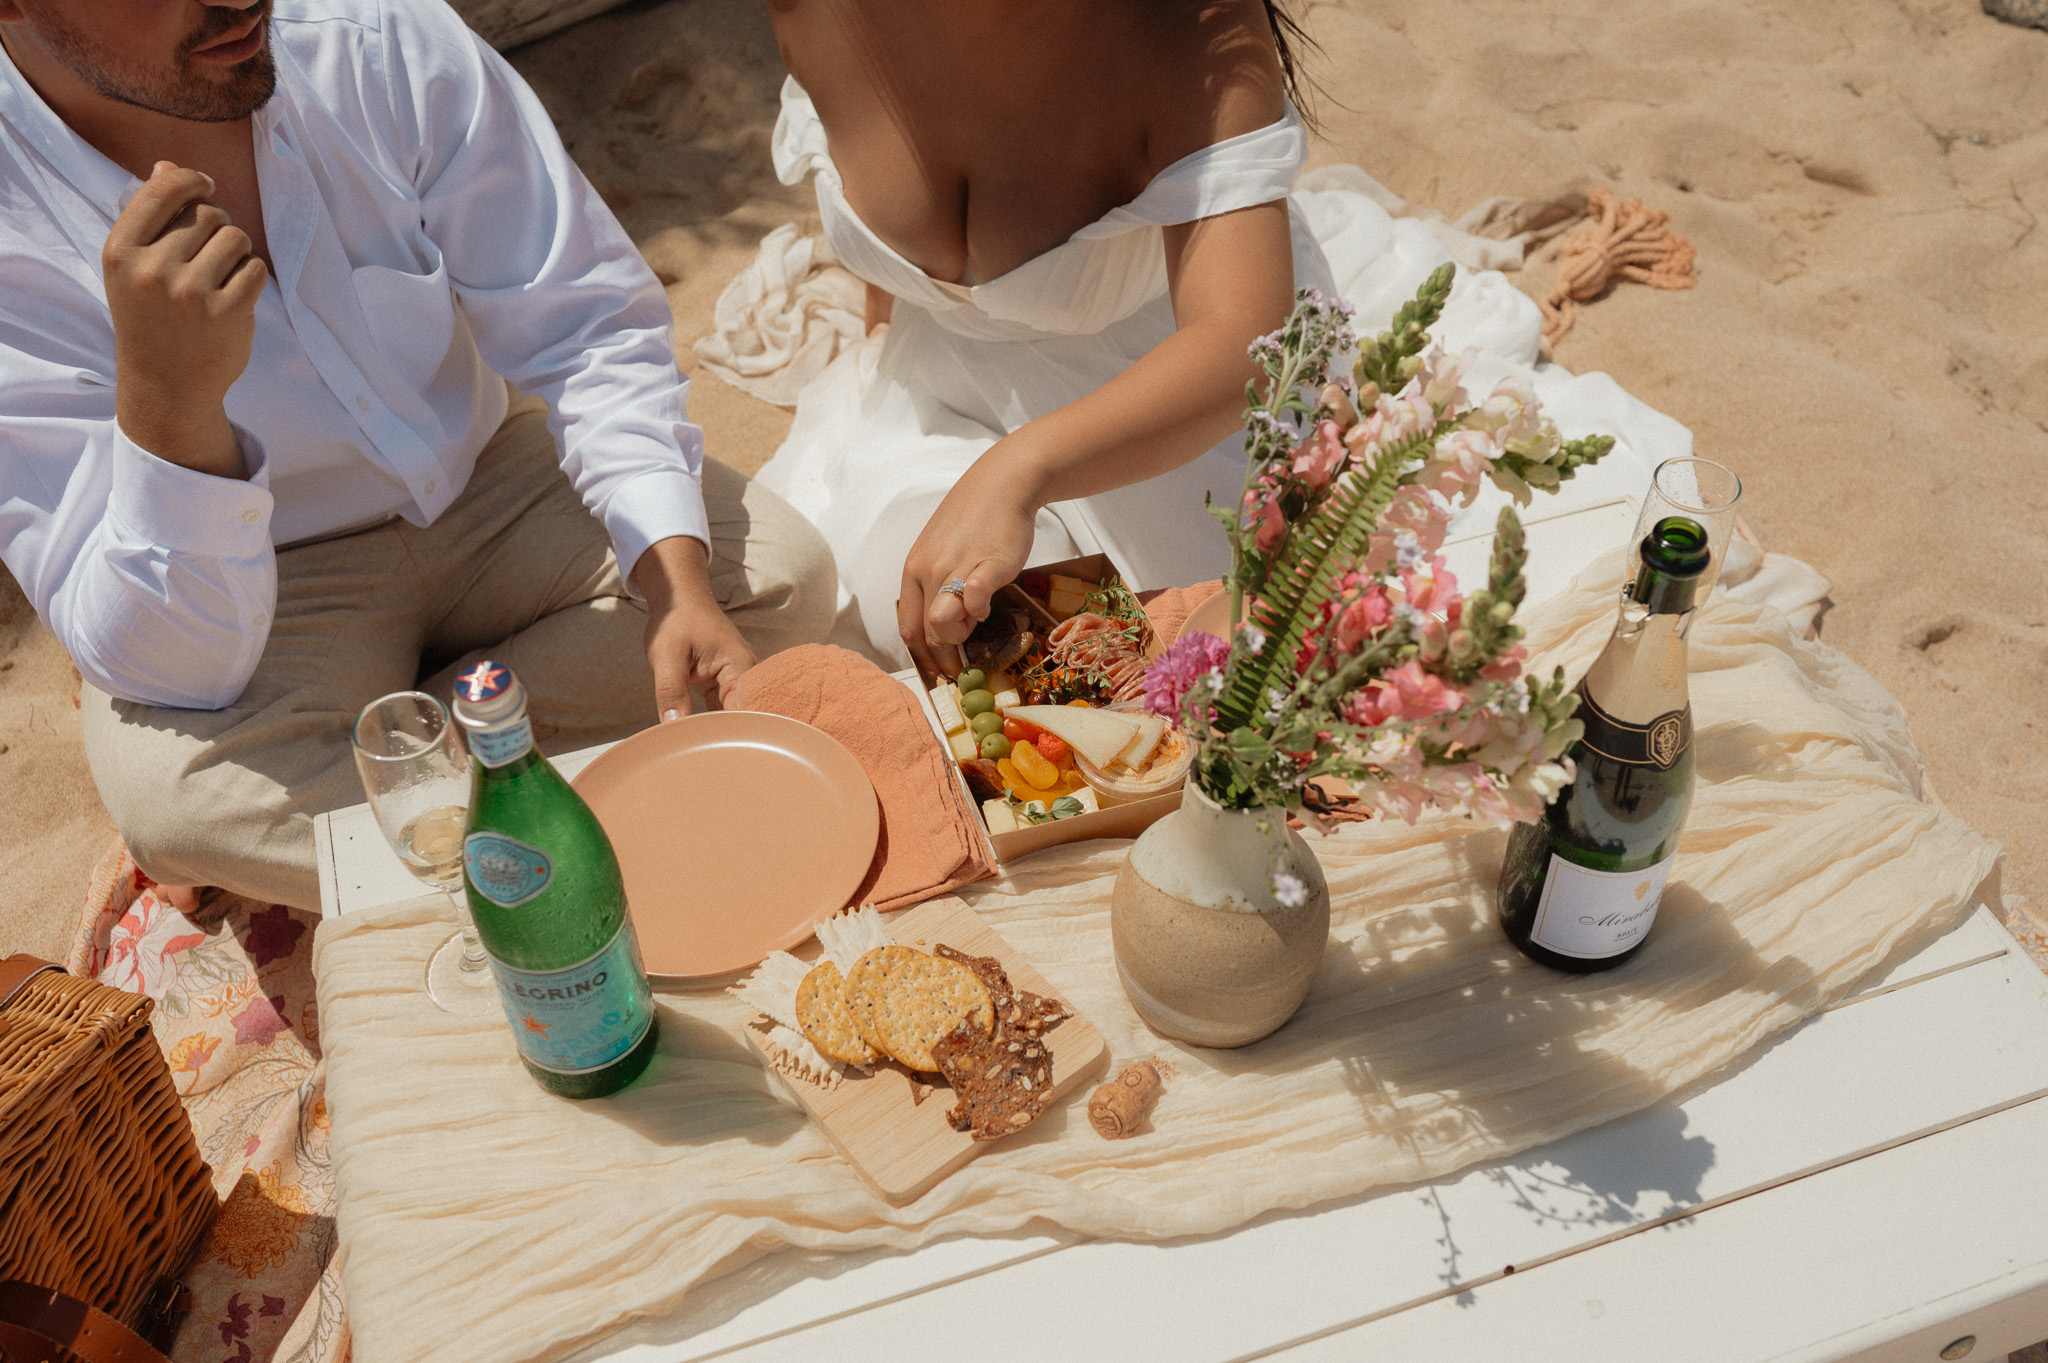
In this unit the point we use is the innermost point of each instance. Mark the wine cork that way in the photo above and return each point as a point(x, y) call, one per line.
point(1118, 1106)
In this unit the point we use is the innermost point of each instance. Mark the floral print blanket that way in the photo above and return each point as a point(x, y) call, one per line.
point(235, 1014)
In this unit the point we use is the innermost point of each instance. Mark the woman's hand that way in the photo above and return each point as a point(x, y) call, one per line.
point(981, 534)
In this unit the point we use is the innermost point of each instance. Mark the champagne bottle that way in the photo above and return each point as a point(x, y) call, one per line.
point(1580, 887)
point(549, 904)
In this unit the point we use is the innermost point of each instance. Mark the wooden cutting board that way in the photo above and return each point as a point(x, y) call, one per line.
point(902, 1147)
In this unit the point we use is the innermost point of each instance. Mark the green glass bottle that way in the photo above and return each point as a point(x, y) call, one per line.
point(1579, 888)
point(549, 903)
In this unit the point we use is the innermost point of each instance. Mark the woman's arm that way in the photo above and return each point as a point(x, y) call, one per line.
point(1232, 280)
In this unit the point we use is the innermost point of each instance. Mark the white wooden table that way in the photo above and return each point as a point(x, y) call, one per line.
point(1871, 1186)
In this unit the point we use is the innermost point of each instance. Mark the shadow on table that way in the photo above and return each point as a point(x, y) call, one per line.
point(1429, 994)
point(703, 1087)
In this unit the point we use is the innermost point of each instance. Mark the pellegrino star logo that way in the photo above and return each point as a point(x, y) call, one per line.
point(534, 1024)
point(482, 681)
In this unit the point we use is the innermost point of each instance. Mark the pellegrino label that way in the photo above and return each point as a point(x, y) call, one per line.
point(504, 870)
point(582, 1018)
point(1596, 914)
point(1657, 744)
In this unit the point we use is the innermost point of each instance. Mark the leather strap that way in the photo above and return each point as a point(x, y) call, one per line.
point(17, 970)
point(89, 1334)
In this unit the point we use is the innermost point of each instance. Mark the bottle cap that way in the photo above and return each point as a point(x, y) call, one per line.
point(487, 695)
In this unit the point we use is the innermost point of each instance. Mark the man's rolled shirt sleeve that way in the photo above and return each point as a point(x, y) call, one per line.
point(557, 297)
point(159, 581)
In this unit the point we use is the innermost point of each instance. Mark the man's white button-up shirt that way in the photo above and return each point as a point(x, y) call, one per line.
point(428, 233)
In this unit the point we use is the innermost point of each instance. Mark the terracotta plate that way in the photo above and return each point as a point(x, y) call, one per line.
point(738, 832)
point(1211, 617)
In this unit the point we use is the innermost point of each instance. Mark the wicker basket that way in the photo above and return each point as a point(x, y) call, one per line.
point(103, 1195)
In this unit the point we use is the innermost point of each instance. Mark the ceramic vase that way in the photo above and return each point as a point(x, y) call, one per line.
point(1207, 952)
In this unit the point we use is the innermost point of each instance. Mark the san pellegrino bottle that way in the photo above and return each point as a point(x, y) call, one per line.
point(549, 903)
point(1580, 887)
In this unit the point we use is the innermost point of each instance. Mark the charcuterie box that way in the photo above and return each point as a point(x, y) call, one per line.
point(1102, 651)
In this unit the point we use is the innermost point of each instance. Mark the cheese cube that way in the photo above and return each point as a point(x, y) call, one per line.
point(1005, 699)
point(965, 749)
point(998, 815)
point(946, 703)
point(1086, 797)
point(1068, 594)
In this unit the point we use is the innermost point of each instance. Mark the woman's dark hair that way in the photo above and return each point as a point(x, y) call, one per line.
point(1293, 41)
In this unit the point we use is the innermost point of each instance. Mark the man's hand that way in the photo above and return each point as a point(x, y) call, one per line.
point(182, 287)
point(689, 640)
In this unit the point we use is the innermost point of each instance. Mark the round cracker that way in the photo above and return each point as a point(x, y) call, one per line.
point(864, 985)
point(822, 1016)
point(923, 1000)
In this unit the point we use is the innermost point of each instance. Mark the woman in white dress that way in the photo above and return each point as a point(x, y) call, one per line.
point(1075, 216)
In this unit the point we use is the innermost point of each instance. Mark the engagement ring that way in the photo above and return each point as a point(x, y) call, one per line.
point(955, 586)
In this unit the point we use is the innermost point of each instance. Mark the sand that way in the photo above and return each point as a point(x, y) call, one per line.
point(1864, 347)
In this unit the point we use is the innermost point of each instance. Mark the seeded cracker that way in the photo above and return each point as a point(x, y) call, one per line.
point(1001, 1082)
point(864, 984)
point(1017, 1009)
point(924, 999)
point(821, 1013)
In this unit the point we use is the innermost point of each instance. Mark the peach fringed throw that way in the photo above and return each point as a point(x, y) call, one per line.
point(482, 1218)
point(1625, 240)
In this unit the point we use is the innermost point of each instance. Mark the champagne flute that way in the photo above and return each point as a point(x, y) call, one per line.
point(1699, 490)
point(415, 770)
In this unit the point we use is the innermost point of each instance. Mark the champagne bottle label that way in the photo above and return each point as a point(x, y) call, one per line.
point(1594, 914)
point(504, 870)
point(582, 1018)
point(1657, 744)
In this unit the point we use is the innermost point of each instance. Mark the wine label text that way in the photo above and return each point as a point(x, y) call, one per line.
point(583, 1017)
point(1592, 915)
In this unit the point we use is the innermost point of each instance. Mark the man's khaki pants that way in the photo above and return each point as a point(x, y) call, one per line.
point(516, 570)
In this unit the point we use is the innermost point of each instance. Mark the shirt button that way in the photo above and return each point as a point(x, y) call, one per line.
point(362, 403)
point(251, 516)
point(260, 621)
point(431, 485)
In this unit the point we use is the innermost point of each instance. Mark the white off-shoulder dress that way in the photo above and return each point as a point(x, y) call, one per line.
point(883, 432)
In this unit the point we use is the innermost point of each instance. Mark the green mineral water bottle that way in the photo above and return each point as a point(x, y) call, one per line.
point(1580, 887)
point(549, 903)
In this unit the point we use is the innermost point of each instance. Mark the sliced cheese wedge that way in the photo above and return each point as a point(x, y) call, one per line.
point(1098, 735)
point(965, 749)
point(1140, 749)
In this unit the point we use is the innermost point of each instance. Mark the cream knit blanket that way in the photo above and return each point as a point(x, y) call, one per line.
point(482, 1218)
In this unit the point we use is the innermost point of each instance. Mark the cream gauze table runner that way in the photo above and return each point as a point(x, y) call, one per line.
point(483, 1218)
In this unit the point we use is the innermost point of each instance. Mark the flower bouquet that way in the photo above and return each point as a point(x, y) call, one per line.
point(1353, 661)
point(1355, 654)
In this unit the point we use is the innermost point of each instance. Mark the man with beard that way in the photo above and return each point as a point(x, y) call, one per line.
point(260, 273)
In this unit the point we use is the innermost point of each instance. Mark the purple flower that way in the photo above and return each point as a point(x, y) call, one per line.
point(273, 934)
point(1174, 673)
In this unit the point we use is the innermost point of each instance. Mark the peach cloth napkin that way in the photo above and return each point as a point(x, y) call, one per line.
point(931, 838)
point(516, 1226)
point(1169, 607)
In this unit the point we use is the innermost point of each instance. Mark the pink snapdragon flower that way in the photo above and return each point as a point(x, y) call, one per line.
point(1407, 692)
point(1364, 617)
point(1317, 457)
point(1175, 672)
point(1262, 504)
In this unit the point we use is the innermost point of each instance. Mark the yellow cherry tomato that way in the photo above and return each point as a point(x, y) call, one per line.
point(1032, 766)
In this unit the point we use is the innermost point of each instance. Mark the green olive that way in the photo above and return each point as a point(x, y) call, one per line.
point(972, 679)
point(986, 724)
point(976, 702)
point(994, 746)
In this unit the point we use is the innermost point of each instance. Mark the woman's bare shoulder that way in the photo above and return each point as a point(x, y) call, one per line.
point(1215, 75)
